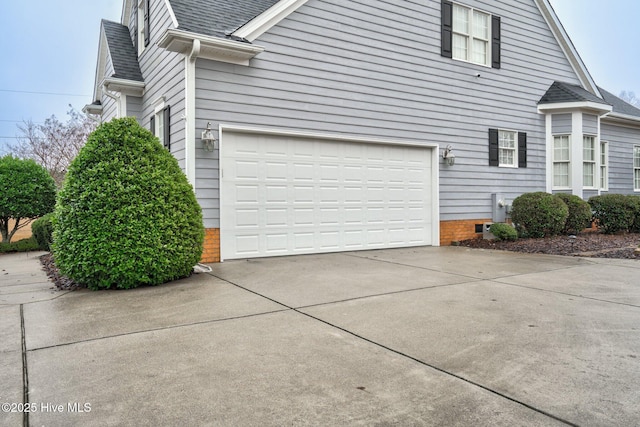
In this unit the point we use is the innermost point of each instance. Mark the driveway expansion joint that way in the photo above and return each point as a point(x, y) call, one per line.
point(25, 372)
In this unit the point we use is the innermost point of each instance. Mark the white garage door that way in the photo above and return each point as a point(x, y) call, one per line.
point(284, 195)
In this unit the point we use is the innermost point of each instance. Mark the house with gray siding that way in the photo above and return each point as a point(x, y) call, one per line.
point(352, 125)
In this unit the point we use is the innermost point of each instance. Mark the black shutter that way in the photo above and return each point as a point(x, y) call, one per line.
point(147, 9)
point(446, 24)
point(495, 42)
point(167, 128)
point(152, 125)
point(522, 150)
point(493, 148)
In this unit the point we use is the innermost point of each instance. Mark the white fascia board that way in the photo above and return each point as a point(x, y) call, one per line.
point(126, 12)
point(92, 109)
point(102, 60)
point(213, 48)
point(622, 119)
point(601, 109)
point(266, 20)
point(171, 13)
point(123, 86)
point(567, 46)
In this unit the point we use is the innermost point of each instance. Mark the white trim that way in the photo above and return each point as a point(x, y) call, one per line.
point(567, 46)
point(213, 48)
point(577, 154)
point(266, 20)
point(171, 13)
point(125, 17)
point(549, 152)
point(516, 162)
point(190, 112)
point(471, 38)
point(435, 158)
point(128, 87)
point(601, 109)
point(158, 104)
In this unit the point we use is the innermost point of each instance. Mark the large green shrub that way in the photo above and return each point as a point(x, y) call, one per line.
point(503, 231)
point(42, 230)
point(614, 212)
point(25, 245)
point(579, 213)
point(126, 215)
point(635, 202)
point(27, 191)
point(539, 214)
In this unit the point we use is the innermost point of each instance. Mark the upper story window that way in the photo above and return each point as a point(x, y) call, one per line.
point(142, 22)
point(470, 35)
point(507, 148)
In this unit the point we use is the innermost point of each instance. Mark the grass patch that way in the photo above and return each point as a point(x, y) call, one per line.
point(24, 245)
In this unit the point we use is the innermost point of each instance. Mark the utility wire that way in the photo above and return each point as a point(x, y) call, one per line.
point(43, 93)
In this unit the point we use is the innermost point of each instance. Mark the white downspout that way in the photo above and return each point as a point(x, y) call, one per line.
point(190, 109)
point(116, 98)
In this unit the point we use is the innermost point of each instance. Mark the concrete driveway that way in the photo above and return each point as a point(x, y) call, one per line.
point(421, 336)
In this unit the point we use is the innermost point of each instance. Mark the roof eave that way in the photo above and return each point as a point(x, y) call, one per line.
point(567, 46)
point(266, 20)
point(92, 109)
point(556, 107)
point(217, 49)
point(624, 119)
point(127, 87)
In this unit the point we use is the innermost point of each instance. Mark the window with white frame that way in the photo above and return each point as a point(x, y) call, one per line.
point(142, 33)
point(561, 161)
point(604, 165)
point(159, 124)
point(588, 161)
point(507, 148)
point(636, 167)
point(471, 35)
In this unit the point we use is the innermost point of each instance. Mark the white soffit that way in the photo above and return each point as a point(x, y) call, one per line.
point(263, 22)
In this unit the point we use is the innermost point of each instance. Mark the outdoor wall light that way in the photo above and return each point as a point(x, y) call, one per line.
point(208, 140)
point(448, 156)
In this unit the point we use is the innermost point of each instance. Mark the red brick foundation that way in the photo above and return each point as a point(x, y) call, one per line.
point(453, 231)
point(211, 247)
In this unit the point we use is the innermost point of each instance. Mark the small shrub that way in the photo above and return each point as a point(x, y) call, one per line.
point(24, 245)
point(579, 213)
point(613, 212)
point(504, 231)
point(42, 230)
point(126, 215)
point(539, 214)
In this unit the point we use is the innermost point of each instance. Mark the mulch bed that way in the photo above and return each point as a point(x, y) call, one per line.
point(61, 282)
point(591, 244)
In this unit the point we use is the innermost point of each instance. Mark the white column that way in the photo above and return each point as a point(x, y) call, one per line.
point(576, 154)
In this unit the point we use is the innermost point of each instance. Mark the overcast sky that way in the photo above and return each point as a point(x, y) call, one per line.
point(50, 47)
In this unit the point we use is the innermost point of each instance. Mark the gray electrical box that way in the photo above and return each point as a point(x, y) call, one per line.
point(498, 208)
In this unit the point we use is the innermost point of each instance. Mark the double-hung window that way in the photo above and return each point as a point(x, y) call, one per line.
point(588, 161)
point(468, 34)
point(142, 34)
point(604, 165)
point(159, 124)
point(561, 161)
point(636, 167)
point(471, 35)
point(507, 148)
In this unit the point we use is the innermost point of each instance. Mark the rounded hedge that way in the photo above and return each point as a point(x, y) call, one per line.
point(539, 214)
point(42, 230)
point(126, 215)
point(503, 231)
point(614, 212)
point(580, 215)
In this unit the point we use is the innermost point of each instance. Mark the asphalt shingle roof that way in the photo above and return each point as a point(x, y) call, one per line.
point(217, 18)
point(565, 92)
point(619, 106)
point(123, 55)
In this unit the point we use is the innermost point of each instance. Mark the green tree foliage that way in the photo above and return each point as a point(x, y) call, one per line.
point(27, 191)
point(126, 215)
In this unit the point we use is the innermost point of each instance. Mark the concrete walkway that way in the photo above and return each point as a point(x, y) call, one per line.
point(421, 336)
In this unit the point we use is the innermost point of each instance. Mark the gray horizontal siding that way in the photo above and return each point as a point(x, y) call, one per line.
point(109, 105)
point(621, 141)
point(134, 106)
point(561, 123)
point(590, 124)
point(373, 69)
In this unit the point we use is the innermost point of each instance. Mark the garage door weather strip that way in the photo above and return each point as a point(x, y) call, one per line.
point(399, 353)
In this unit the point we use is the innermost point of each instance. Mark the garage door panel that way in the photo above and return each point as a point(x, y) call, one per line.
point(291, 195)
